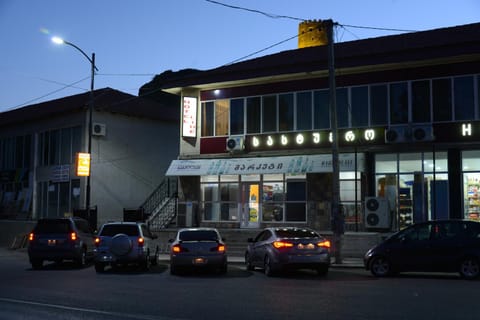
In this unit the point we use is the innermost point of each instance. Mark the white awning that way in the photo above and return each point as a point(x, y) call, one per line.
point(265, 165)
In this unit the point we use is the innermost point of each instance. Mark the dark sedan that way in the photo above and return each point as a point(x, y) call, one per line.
point(274, 249)
point(433, 246)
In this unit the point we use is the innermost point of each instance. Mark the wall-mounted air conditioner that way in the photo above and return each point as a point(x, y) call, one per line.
point(422, 133)
point(235, 143)
point(99, 129)
point(398, 134)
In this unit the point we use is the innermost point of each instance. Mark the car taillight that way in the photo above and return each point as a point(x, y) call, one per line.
point(73, 236)
point(324, 244)
point(141, 241)
point(97, 241)
point(282, 244)
point(31, 236)
point(177, 249)
point(219, 248)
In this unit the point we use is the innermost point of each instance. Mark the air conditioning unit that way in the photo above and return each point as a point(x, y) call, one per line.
point(377, 214)
point(99, 129)
point(422, 133)
point(398, 134)
point(235, 143)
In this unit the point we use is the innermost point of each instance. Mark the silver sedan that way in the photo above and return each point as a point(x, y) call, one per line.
point(275, 249)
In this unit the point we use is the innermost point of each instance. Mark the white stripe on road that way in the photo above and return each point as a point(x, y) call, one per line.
point(108, 313)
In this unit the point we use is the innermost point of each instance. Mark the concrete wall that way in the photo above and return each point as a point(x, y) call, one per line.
point(9, 229)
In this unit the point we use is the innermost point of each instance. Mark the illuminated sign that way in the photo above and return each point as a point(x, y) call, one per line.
point(314, 139)
point(83, 164)
point(189, 117)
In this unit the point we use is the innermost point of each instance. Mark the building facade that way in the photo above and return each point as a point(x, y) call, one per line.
point(39, 146)
point(256, 147)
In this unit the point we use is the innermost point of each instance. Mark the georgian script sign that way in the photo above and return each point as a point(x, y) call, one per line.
point(289, 164)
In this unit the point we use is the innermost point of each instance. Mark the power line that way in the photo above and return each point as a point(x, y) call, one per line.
point(269, 15)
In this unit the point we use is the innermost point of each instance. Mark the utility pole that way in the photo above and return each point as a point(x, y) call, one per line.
point(336, 214)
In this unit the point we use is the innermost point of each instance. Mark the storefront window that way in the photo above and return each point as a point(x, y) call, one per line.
point(286, 111)
point(221, 117)
point(471, 183)
point(237, 118)
point(273, 197)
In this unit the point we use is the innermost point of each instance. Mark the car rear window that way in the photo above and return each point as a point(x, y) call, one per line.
point(53, 226)
point(114, 229)
point(198, 235)
point(295, 233)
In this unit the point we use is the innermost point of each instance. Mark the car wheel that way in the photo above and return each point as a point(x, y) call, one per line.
point(37, 264)
point(82, 260)
point(223, 269)
point(248, 262)
point(322, 270)
point(380, 267)
point(145, 264)
point(470, 268)
point(99, 267)
point(156, 257)
point(173, 270)
point(268, 267)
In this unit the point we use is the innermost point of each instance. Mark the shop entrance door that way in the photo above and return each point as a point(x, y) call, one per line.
point(250, 205)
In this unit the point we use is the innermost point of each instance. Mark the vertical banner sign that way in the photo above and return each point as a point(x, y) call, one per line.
point(189, 117)
point(83, 164)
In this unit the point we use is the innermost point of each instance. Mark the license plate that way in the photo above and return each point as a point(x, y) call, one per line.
point(199, 261)
point(52, 242)
point(309, 246)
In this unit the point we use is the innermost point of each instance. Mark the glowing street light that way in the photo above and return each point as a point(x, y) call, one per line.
point(58, 40)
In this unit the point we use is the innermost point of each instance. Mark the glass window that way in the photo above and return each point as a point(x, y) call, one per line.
point(253, 115)
point(285, 112)
point(421, 101)
point(207, 119)
point(359, 106)
point(65, 146)
point(378, 101)
point(221, 117)
point(398, 103)
point(19, 147)
point(273, 196)
point(386, 163)
point(54, 152)
point(237, 120)
point(464, 98)
point(342, 108)
point(471, 160)
point(269, 113)
point(410, 162)
point(295, 200)
point(321, 107)
point(304, 110)
point(76, 141)
point(442, 99)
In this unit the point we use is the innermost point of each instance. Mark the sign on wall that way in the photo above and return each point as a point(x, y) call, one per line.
point(288, 164)
point(189, 117)
point(83, 164)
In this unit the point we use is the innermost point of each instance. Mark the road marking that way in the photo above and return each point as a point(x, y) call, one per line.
point(108, 313)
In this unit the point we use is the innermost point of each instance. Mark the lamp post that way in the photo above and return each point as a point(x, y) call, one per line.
point(58, 40)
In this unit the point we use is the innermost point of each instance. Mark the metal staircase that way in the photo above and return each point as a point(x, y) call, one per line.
point(161, 206)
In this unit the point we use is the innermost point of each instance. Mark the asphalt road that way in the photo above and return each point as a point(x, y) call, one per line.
point(64, 292)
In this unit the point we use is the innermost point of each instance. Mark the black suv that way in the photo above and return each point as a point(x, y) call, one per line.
point(125, 243)
point(58, 239)
point(441, 246)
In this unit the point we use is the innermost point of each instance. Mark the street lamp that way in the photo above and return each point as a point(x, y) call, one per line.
point(58, 40)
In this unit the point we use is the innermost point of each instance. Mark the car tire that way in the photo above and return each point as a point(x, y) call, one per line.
point(99, 267)
point(37, 264)
point(380, 267)
point(173, 270)
point(155, 258)
point(248, 262)
point(82, 260)
point(322, 270)
point(268, 267)
point(145, 264)
point(469, 268)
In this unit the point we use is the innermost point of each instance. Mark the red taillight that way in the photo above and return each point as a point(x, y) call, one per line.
point(31, 237)
point(97, 241)
point(176, 248)
point(282, 244)
point(219, 248)
point(73, 236)
point(141, 241)
point(324, 244)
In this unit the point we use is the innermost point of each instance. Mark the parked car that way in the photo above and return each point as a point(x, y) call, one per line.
point(274, 249)
point(433, 246)
point(123, 243)
point(58, 239)
point(198, 248)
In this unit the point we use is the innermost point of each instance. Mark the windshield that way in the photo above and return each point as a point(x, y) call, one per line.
point(53, 226)
point(295, 233)
point(113, 229)
point(198, 235)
